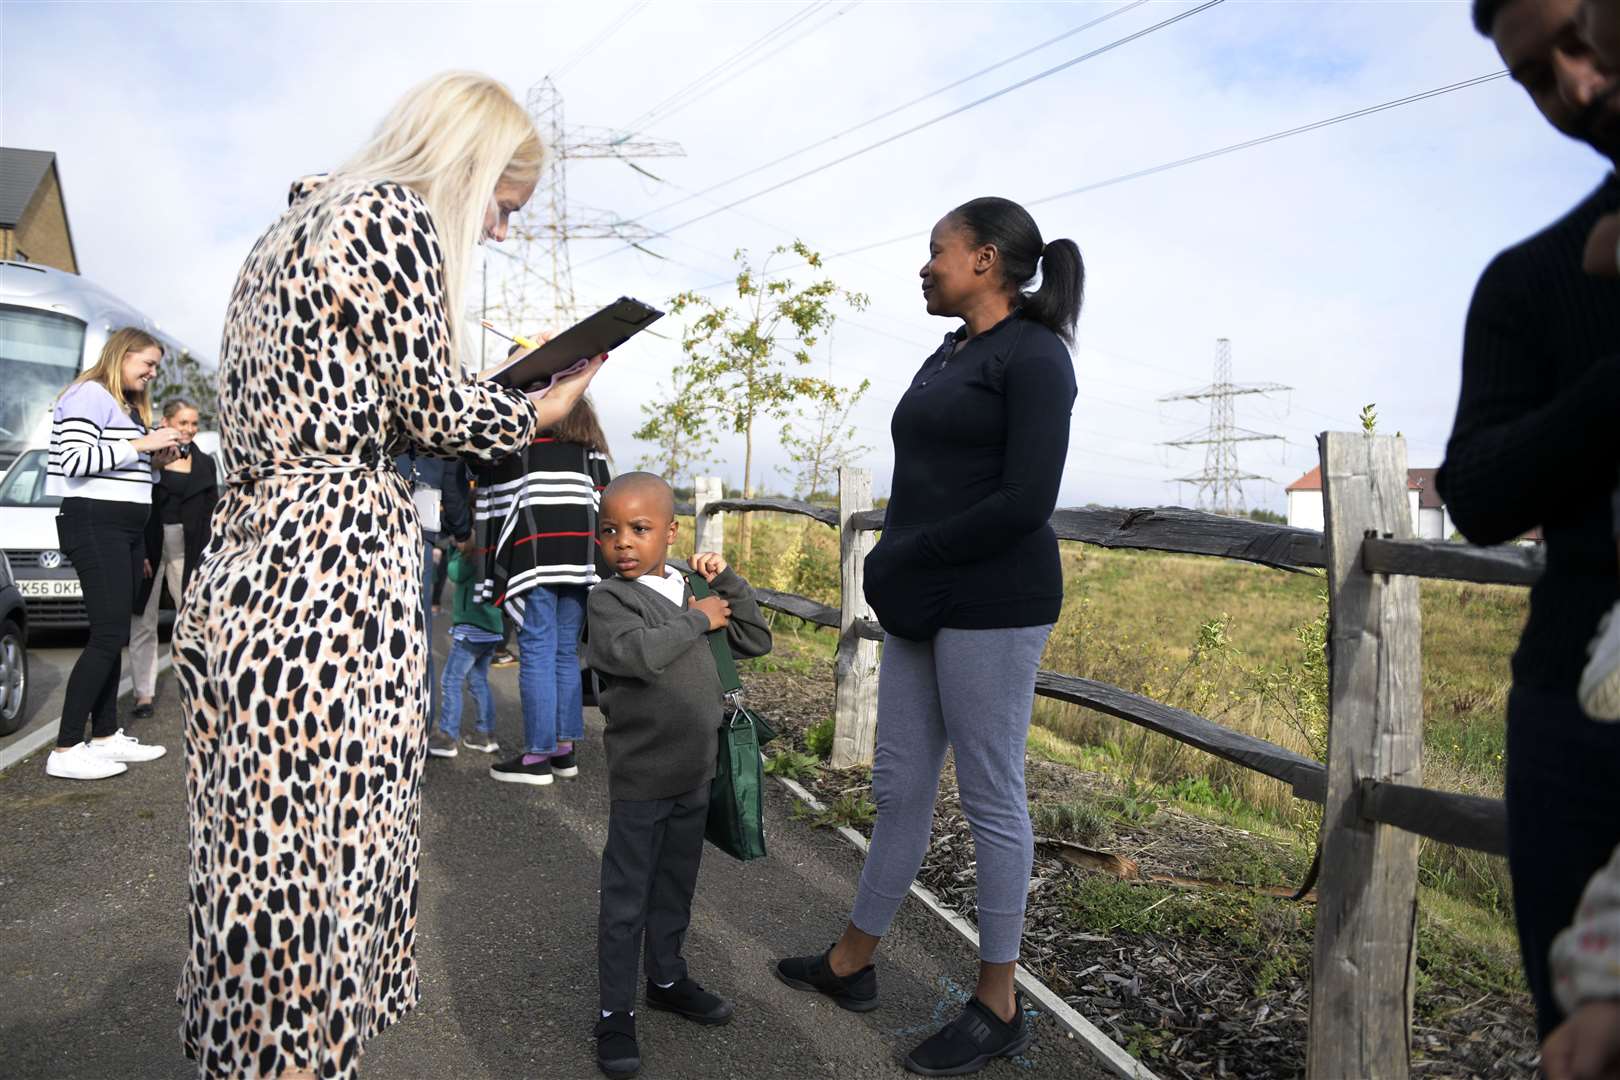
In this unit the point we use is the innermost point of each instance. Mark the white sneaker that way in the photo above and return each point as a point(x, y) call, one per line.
point(1600, 682)
point(121, 747)
point(81, 763)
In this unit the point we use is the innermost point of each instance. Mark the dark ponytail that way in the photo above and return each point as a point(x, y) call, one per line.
point(1017, 240)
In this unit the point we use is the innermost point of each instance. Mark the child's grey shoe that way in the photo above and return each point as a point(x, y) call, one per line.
point(686, 998)
point(477, 740)
point(617, 1054)
point(441, 745)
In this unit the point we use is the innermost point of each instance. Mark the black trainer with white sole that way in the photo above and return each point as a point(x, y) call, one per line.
point(515, 772)
point(563, 766)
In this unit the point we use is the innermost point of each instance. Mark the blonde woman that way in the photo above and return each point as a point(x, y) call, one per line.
point(102, 456)
point(300, 647)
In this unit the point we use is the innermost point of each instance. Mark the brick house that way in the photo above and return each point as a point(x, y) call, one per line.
point(33, 216)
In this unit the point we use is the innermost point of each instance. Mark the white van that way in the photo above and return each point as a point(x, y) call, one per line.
point(52, 327)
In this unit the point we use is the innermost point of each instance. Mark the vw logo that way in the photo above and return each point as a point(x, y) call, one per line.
point(50, 560)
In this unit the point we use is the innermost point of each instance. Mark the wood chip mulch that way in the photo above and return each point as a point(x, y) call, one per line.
point(1185, 1003)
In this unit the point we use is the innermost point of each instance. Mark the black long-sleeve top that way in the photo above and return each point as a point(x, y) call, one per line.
point(980, 439)
point(1537, 435)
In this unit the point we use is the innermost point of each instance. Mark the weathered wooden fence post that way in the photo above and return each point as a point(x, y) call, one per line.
point(1366, 914)
point(856, 674)
point(709, 532)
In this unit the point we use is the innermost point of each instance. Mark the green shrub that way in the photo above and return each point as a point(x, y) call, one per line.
point(791, 764)
point(1080, 822)
point(818, 738)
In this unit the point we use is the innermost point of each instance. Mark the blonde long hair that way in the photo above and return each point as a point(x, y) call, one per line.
point(109, 370)
point(452, 139)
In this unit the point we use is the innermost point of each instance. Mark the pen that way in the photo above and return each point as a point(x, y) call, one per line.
point(523, 341)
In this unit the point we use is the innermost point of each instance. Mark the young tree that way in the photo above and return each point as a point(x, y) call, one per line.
point(823, 441)
point(183, 375)
point(745, 359)
point(679, 424)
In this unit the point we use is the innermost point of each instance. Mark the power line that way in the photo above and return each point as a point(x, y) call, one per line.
point(789, 156)
point(600, 39)
point(1208, 154)
point(680, 97)
point(1048, 73)
point(699, 94)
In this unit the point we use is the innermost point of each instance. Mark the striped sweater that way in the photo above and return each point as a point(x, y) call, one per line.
point(91, 455)
point(535, 517)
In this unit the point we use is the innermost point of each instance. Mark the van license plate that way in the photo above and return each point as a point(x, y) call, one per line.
point(50, 587)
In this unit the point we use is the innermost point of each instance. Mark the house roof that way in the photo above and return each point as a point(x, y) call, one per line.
point(21, 173)
point(1419, 480)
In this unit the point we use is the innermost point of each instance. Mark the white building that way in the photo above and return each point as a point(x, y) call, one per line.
point(1430, 521)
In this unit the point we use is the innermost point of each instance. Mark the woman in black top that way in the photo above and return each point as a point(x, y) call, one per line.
point(182, 503)
point(966, 581)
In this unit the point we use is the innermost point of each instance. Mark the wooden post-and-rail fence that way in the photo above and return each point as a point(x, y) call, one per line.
point(1374, 807)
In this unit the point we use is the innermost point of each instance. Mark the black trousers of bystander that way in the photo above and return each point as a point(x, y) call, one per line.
point(1563, 818)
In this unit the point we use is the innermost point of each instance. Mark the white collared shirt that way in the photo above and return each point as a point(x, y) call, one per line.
point(672, 586)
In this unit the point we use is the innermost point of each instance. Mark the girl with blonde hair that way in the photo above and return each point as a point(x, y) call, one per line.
point(102, 456)
point(300, 645)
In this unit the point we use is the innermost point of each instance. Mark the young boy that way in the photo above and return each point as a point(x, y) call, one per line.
point(475, 636)
point(662, 700)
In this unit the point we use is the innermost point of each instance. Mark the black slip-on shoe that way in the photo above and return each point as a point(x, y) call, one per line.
point(857, 992)
point(617, 1054)
point(564, 766)
point(970, 1042)
point(686, 998)
point(142, 712)
point(515, 772)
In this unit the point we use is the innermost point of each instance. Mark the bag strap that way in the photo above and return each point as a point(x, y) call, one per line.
point(723, 660)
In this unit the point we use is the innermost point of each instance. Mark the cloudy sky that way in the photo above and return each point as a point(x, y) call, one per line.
point(1338, 262)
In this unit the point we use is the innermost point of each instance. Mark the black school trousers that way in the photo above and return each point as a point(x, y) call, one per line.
point(649, 873)
point(1563, 817)
point(106, 542)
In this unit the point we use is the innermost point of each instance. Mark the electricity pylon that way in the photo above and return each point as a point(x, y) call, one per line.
point(1220, 485)
point(540, 235)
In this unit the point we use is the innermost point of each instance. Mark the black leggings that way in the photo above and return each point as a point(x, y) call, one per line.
point(104, 540)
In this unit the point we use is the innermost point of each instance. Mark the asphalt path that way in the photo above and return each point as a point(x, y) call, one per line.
point(92, 926)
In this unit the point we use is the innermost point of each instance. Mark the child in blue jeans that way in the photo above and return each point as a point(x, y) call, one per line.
point(474, 637)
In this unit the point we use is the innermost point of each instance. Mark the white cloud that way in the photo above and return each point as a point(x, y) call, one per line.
point(1339, 262)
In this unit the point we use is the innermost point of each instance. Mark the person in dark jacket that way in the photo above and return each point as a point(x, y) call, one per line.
point(1535, 443)
point(177, 531)
point(966, 581)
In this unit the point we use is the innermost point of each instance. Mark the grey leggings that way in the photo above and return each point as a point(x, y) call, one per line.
point(971, 689)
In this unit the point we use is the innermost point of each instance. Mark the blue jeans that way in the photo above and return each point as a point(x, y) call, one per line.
point(548, 672)
point(468, 662)
point(427, 616)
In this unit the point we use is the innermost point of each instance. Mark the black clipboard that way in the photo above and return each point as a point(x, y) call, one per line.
point(599, 333)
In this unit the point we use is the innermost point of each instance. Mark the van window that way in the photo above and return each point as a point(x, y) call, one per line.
point(40, 353)
point(24, 483)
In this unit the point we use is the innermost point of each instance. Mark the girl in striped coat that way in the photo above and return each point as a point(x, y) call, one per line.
point(103, 451)
point(536, 518)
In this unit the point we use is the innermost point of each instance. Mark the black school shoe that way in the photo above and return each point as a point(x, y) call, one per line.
point(971, 1041)
point(617, 1054)
point(857, 992)
point(686, 998)
point(142, 712)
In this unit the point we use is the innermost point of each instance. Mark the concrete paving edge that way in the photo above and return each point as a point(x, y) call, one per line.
point(46, 733)
point(1107, 1051)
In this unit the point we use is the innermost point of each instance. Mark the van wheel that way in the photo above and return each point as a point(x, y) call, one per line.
point(13, 678)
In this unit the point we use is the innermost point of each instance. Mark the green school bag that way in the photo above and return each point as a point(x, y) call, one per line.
point(736, 822)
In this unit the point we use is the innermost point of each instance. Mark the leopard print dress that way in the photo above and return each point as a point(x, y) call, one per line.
point(300, 648)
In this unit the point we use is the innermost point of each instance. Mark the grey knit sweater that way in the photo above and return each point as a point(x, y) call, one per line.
point(661, 693)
